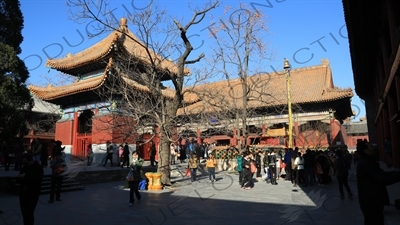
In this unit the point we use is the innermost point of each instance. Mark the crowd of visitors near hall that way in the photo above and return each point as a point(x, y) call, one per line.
point(301, 167)
point(41, 152)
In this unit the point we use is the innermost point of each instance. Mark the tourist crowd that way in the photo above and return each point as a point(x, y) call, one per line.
point(300, 167)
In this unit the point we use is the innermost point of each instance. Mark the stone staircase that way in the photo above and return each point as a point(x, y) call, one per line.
point(68, 185)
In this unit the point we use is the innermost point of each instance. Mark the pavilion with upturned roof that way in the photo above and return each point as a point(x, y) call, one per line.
point(83, 111)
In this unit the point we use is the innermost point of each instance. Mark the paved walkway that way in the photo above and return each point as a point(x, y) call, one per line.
point(201, 202)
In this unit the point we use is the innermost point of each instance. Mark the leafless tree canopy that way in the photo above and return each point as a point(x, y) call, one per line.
point(135, 84)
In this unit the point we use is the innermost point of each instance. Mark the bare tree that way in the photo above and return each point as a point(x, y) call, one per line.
point(314, 134)
point(239, 53)
point(138, 85)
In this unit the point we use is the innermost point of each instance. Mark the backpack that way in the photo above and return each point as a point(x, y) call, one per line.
point(142, 185)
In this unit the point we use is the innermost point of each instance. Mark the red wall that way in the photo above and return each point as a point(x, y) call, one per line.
point(101, 129)
point(64, 132)
point(352, 140)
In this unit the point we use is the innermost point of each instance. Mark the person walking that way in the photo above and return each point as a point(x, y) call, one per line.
point(30, 180)
point(188, 150)
point(172, 154)
point(36, 150)
point(299, 167)
point(126, 154)
point(309, 165)
point(136, 170)
point(210, 165)
point(89, 152)
point(239, 160)
point(247, 182)
point(342, 166)
point(278, 164)
point(44, 158)
point(110, 151)
point(120, 154)
point(272, 167)
point(58, 167)
point(153, 152)
point(57, 149)
point(193, 165)
point(258, 163)
point(288, 163)
point(19, 152)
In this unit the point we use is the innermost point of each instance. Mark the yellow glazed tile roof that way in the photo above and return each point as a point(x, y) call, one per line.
point(122, 37)
point(51, 92)
point(308, 85)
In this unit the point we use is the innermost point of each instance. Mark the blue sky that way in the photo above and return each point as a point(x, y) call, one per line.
point(302, 31)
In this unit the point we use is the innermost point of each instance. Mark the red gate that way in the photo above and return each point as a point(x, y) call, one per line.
point(82, 141)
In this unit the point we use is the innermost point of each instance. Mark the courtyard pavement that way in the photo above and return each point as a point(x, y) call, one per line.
point(201, 202)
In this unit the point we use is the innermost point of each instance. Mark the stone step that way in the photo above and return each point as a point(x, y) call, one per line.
point(68, 185)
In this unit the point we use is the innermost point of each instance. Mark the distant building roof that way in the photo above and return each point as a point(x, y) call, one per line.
point(356, 127)
point(313, 84)
point(41, 106)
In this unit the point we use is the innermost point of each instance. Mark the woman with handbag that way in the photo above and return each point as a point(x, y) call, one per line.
point(247, 182)
point(134, 177)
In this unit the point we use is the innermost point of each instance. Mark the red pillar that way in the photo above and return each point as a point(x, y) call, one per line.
point(198, 134)
point(75, 134)
point(234, 137)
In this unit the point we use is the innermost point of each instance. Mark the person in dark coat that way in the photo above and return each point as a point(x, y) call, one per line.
point(309, 165)
point(371, 184)
point(136, 170)
point(342, 166)
point(287, 160)
point(19, 152)
point(247, 182)
point(272, 166)
point(110, 152)
point(30, 177)
point(44, 157)
point(58, 166)
point(126, 154)
point(57, 149)
point(153, 152)
point(258, 163)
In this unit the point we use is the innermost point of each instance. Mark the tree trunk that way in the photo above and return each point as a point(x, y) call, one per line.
point(163, 164)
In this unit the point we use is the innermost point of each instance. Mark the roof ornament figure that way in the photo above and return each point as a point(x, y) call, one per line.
point(325, 62)
point(123, 24)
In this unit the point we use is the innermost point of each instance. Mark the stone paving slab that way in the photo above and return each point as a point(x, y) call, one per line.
point(200, 203)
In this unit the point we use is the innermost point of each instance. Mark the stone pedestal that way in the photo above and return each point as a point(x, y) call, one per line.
point(157, 186)
point(149, 176)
